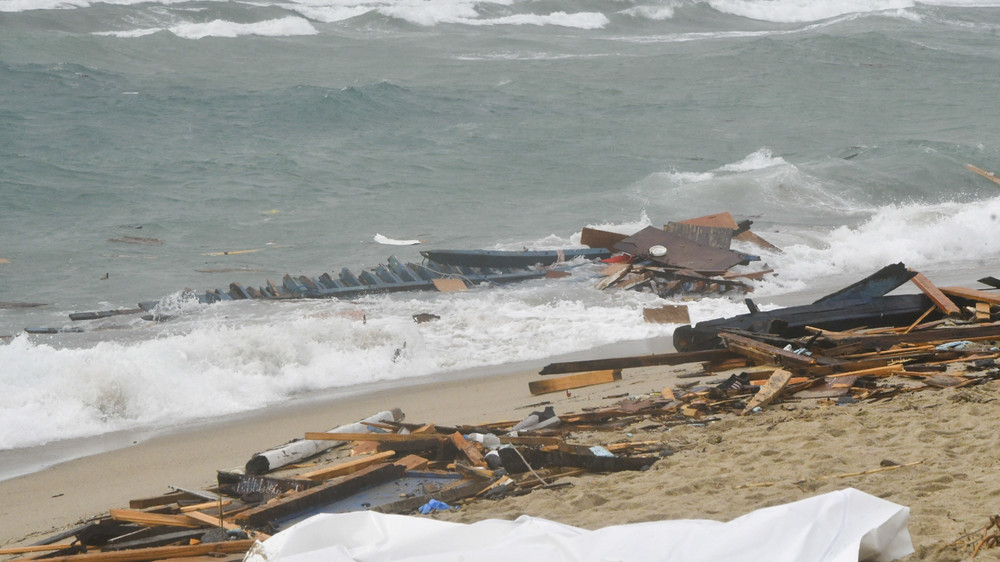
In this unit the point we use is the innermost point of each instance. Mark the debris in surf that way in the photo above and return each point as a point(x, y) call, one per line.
point(137, 240)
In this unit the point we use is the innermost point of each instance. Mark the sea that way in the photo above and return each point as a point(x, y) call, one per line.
point(151, 149)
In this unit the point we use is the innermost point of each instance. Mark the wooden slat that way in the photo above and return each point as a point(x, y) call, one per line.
point(346, 468)
point(152, 519)
point(213, 520)
point(160, 552)
point(972, 294)
point(36, 548)
point(574, 381)
point(937, 297)
point(988, 175)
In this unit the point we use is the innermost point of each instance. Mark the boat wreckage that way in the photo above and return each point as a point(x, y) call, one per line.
point(691, 257)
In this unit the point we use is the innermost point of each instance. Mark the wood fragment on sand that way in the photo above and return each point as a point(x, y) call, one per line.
point(574, 381)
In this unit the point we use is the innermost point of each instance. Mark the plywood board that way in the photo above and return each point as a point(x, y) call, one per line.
point(449, 285)
point(972, 294)
point(667, 314)
point(574, 381)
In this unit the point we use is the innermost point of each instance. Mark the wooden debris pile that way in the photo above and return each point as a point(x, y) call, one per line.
point(941, 338)
point(686, 257)
point(379, 463)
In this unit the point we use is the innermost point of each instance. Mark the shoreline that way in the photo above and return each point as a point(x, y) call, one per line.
point(146, 463)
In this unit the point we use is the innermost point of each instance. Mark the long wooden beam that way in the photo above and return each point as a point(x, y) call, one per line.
point(655, 360)
point(161, 552)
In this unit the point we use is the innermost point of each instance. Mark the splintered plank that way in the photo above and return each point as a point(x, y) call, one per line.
point(326, 493)
point(153, 519)
point(972, 294)
point(162, 552)
point(574, 381)
point(449, 285)
point(770, 391)
point(937, 297)
point(346, 468)
point(668, 314)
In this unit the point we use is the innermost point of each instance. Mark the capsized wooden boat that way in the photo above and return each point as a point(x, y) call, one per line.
point(390, 277)
point(512, 258)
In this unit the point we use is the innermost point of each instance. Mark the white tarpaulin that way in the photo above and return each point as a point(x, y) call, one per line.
point(843, 526)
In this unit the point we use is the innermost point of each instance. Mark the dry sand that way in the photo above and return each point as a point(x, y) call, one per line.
point(721, 470)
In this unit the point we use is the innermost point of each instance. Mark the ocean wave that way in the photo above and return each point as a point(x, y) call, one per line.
point(232, 357)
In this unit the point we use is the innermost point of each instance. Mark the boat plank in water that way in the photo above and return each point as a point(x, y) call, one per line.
point(511, 258)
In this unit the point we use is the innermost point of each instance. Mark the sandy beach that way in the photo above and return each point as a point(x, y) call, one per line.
point(944, 442)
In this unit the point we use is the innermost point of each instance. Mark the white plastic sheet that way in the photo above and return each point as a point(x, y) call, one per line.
point(843, 526)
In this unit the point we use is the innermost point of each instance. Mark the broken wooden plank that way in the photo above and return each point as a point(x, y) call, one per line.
point(345, 468)
point(152, 519)
point(937, 297)
point(325, 493)
point(653, 360)
point(161, 552)
point(574, 381)
point(974, 295)
point(768, 393)
point(667, 314)
point(988, 175)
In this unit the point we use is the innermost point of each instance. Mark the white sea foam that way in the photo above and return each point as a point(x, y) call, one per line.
point(655, 13)
point(233, 357)
point(800, 11)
